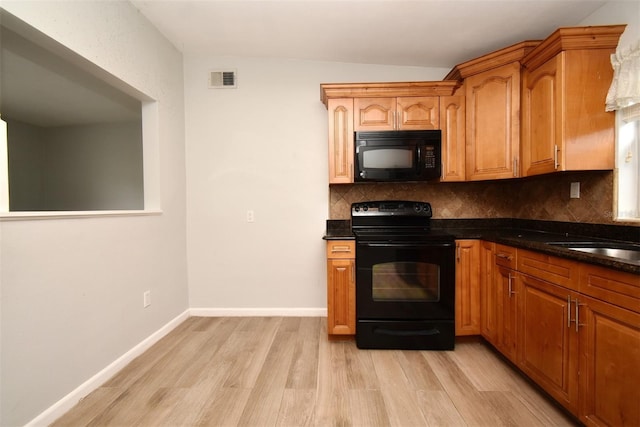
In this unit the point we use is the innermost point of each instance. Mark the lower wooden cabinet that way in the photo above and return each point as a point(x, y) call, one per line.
point(498, 296)
point(584, 351)
point(341, 287)
point(609, 340)
point(548, 342)
point(467, 287)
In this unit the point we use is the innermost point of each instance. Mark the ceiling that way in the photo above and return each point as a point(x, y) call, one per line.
point(427, 33)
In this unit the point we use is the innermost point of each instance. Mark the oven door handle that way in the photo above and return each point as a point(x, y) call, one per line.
point(403, 333)
point(406, 244)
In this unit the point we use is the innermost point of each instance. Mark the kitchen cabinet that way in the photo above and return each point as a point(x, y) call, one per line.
point(499, 288)
point(387, 106)
point(467, 287)
point(453, 126)
point(401, 113)
point(488, 294)
point(548, 342)
point(340, 140)
point(547, 345)
point(608, 316)
point(341, 288)
point(493, 117)
point(507, 287)
point(574, 329)
point(610, 357)
point(565, 81)
point(492, 92)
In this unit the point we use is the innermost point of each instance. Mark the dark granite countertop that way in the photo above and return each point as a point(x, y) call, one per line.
point(528, 234)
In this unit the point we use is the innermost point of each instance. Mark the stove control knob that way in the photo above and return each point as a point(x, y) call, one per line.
point(365, 208)
point(417, 207)
point(356, 208)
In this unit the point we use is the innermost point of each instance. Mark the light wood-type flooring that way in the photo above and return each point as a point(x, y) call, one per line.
point(282, 371)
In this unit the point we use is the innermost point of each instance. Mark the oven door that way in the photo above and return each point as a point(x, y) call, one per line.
point(405, 281)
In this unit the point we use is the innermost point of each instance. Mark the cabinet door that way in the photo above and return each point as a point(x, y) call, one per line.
point(418, 113)
point(452, 124)
point(341, 297)
point(609, 366)
point(488, 294)
point(547, 340)
point(375, 114)
point(340, 141)
point(493, 123)
point(542, 99)
point(507, 289)
point(467, 287)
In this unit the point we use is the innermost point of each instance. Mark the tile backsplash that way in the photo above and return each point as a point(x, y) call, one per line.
point(543, 197)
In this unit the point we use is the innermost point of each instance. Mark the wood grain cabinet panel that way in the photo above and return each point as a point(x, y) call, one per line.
point(488, 294)
point(467, 287)
point(493, 123)
point(547, 342)
point(609, 364)
point(453, 126)
point(341, 288)
point(340, 141)
point(564, 86)
point(401, 113)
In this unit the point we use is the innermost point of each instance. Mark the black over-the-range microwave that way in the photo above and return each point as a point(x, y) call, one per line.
point(387, 156)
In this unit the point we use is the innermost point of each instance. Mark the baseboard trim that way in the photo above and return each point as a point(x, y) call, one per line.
point(69, 401)
point(258, 312)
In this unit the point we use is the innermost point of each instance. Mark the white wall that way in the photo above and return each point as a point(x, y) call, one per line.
point(263, 147)
point(619, 12)
point(71, 289)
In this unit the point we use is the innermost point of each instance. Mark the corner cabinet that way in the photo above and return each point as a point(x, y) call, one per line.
point(492, 92)
point(574, 329)
point(564, 86)
point(393, 106)
point(341, 287)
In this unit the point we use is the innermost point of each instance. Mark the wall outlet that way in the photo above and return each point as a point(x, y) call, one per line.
point(250, 216)
point(575, 190)
point(146, 298)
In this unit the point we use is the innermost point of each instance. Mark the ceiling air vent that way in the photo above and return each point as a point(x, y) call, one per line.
point(223, 79)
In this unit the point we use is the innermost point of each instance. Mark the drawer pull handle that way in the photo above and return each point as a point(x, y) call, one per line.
point(335, 249)
point(504, 256)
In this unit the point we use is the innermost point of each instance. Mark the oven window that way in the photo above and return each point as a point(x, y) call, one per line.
point(406, 281)
point(388, 158)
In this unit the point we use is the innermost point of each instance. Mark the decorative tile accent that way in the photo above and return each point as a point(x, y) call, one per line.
point(544, 197)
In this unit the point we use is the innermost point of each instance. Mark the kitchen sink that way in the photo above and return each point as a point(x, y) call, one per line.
point(625, 251)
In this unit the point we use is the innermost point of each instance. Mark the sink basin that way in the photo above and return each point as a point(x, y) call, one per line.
point(625, 251)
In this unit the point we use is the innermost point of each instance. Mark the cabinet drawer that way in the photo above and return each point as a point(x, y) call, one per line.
point(556, 270)
point(341, 249)
point(506, 256)
point(615, 287)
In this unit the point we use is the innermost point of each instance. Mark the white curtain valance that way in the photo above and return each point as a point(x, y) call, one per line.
point(625, 87)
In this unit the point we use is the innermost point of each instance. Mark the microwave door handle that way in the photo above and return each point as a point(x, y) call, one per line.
point(418, 160)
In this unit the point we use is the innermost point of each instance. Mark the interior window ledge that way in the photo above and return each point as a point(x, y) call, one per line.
point(12, 216)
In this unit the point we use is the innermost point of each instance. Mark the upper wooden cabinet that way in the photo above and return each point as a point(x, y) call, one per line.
point(391, 106)
point(452, 124)
point(492, 90)
point(565, 81)
point(493, 125)
point(340, 141)
point(403, 113)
